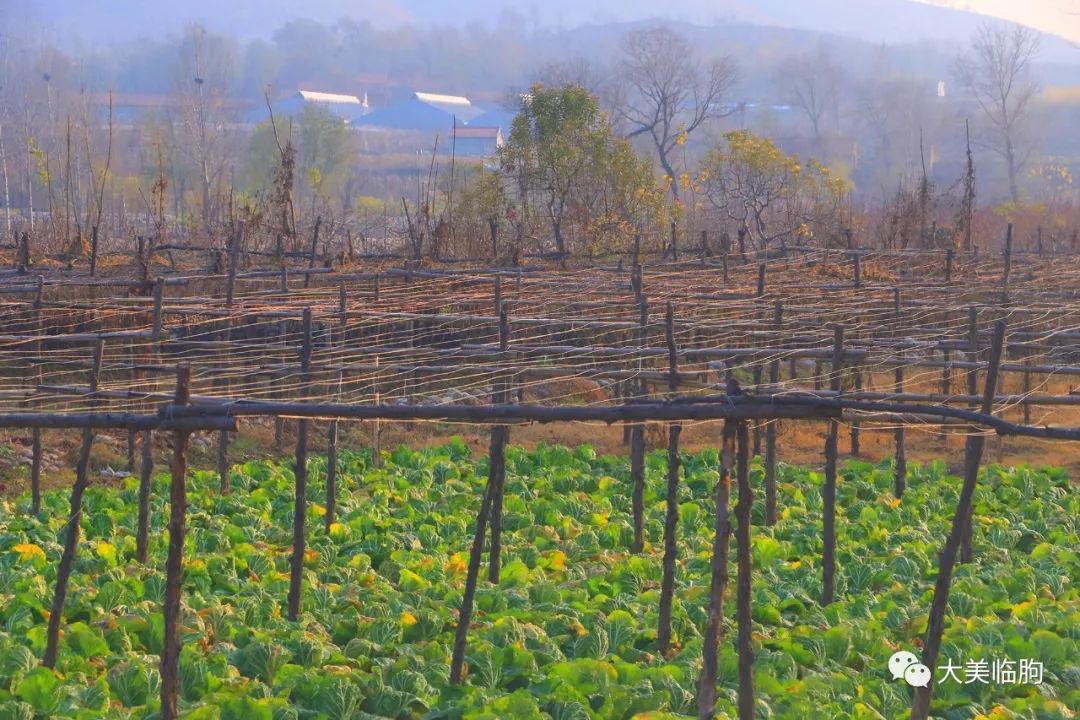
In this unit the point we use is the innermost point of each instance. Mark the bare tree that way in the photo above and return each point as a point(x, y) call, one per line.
point(997, 71)
point(810, 82)
point(667, 93)
point(206, 65)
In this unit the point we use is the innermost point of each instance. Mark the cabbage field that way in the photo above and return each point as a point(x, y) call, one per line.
point(570, 631)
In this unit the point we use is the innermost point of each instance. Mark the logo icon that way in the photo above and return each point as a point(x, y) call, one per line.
point(906, 665)
point(917, 675)
point(900, 661)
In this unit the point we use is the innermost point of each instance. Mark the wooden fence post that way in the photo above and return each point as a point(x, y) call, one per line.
point(332, 433)
point(1007, 263)
point(973, 354)
point(966, 551)
point(761, 280)
point(671, 517)
point(770, 429)
point(376, 426)
point(93, 250)
point(500, 437)
point(156, 314)
point(856, 269)
point(35, 462)
point(1027, 390)
point(279, 422)
point(296, 562)
point(71, 536)
point(900, 463)
point(230, 294)
point(136, 377)
point(949, 265)
point(637, 442)
point(961, 525)
point(946, 356)
point(706, 697)
point(146, 469)
point(457, 660)
point(170, 650)
point(828, 493)
point(314, 250)
point(756, 424)
point(973, 348)
point(856, 426)
point(743, 599)
point(22, 259)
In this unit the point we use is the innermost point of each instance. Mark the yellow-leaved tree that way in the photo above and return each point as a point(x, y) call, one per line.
point(774, 196)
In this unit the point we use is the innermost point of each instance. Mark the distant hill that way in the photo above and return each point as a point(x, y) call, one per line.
point(869, 20)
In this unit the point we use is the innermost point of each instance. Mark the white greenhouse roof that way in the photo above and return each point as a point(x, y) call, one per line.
point(325, 97)
point(443, 99)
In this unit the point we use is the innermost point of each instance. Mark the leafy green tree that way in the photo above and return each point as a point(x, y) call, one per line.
point(324, 154)
point(564, 163)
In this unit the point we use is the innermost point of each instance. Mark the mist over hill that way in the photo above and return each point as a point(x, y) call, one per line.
point(871, 20)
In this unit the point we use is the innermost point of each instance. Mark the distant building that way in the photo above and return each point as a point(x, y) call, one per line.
point(476, 141)
point(344, 106)
point(422, 111)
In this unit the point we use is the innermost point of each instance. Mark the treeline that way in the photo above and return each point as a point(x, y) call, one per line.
point(661, 139)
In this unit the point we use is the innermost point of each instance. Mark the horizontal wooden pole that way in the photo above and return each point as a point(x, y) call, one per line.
point(119, 421)
point(509, 413)
point(712, 408)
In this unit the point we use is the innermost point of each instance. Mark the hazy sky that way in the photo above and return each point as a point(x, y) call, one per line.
point(97, 21)
point(1061, 17)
